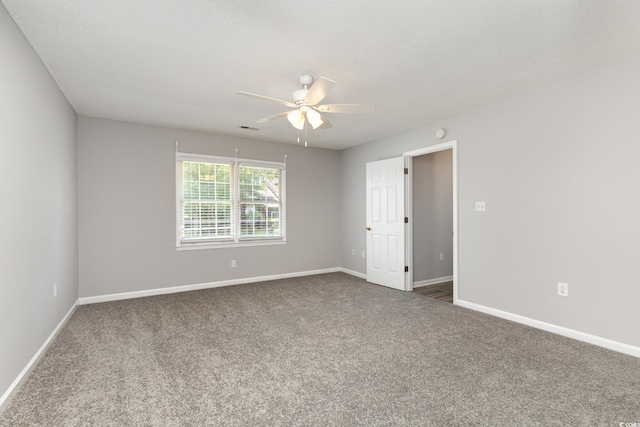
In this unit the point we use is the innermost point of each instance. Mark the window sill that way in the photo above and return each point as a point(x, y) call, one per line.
point(242, 244)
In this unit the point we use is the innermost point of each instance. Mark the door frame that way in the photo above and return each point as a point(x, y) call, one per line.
point(408, 188)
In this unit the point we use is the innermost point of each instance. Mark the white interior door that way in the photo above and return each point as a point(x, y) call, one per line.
point(385, 223)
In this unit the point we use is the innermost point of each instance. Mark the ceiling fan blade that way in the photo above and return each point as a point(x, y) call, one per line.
point(266, 98)
point(319, 90)
point(276, 116)
point(347, 108)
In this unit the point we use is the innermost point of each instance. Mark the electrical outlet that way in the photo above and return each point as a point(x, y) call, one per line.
point(55, 290)
point(481, 206)
point(233, 263)
point(441, 256)
point(563, 289)
point(364, 254)
point(353, 251)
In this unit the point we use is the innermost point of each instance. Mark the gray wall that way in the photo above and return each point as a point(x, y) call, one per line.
point(432, 188)
point(558, 168)
point(127, 210)
point(38, 237)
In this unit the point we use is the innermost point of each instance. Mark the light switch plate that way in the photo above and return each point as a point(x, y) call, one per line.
point(480, 207)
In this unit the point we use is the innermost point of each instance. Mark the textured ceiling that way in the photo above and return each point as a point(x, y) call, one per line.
point(179, 63)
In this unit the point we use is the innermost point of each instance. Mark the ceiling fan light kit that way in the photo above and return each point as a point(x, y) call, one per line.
point(296, 119)
point(306, 102)
point(314, 118)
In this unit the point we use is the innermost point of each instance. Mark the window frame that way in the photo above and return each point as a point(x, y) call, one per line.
point(236, 240)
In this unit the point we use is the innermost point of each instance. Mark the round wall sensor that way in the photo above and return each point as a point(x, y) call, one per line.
point(440, 133)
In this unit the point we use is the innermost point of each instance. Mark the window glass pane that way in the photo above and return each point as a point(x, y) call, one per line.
point(208, 191)
point(260, 201)
point(259, 219)
point(191, 219)
point(190, 171)
point(191, 190)
point(260, 184)
point(206, 197)
point(223, 191)
point(207, 171)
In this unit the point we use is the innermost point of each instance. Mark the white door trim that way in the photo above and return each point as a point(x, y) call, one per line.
point(408, 161)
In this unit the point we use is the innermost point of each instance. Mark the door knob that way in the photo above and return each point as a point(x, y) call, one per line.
point(368, 228)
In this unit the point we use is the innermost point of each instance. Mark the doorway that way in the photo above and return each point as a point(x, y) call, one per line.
point(431, 235)
point(432, 193)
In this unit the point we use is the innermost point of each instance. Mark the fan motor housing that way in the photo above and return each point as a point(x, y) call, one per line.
point(305, 80)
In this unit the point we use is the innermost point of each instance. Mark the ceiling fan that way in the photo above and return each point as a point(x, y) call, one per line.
point(306, 102)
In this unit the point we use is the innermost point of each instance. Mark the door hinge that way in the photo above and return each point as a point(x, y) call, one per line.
point(406, 220)
point(406, 171)
point(406, 268)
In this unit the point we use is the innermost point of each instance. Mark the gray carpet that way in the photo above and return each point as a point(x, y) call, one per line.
point(317, 351)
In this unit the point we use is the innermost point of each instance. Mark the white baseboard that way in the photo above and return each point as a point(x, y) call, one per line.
point(186, 288)
point(560, 330)
point(15, 385)
point(435, 281)
point(354, 273)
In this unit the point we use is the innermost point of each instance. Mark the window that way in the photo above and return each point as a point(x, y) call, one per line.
point(227, 202)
